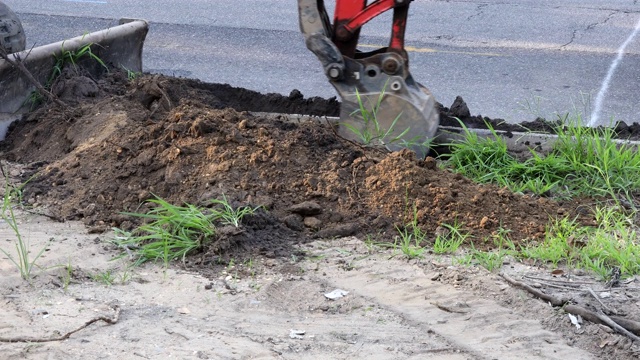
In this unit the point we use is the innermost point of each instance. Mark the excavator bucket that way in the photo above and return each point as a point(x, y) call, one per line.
point(381, 103)
point(119, 46)
point(392, 110)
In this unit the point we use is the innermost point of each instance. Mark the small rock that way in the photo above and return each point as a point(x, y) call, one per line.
point(307, 208)
point(271, 263)
point(295, 94)
point(459, 108)
point(98, 229)
point(294, 222)
point(143, 195)
point(312, 222)
point(335, 217)
point(89, 210)
point(606, 329)
point(430, 163)
point(434, 276)
point(338, 231)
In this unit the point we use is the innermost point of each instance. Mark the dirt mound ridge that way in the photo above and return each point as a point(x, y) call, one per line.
point(168, 137)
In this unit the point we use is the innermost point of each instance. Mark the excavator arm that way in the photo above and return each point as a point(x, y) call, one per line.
point(380, 100)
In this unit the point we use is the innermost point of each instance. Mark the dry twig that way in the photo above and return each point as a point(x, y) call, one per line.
point(605, 307)
point(617, 327)
point(28, 339)
point(624, 326)
point(448, 308)
point(537, 293)
point(17, 63)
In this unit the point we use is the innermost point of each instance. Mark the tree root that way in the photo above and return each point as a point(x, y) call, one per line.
point(26, 339)
point(626, 327)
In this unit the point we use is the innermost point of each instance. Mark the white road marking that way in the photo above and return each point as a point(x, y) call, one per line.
point(595, 114)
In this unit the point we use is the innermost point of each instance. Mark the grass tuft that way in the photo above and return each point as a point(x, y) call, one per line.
point(22, 261)
point(583, 162)
point(172, 232)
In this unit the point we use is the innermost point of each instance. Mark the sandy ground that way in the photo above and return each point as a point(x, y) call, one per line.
point(394, 309)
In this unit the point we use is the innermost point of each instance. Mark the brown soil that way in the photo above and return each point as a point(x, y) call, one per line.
point(178, 140)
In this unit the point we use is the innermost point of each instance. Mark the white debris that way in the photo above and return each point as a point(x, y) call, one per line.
point(296, 334)
point(336, 294)
point(574, 321)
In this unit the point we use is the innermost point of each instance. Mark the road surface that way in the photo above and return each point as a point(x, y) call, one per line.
point(508, 59)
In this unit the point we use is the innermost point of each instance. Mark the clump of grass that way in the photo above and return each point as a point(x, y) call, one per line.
point(22, 261)
point(491, 260)
point(131, 75)
point(106, 277)
point(450, 242)
point(227, 215)
point(373, 133)
point(583, 161)
point(61, 60)
point(172, 232)
point(556, 246)
point(612, 243)
point(409, 241)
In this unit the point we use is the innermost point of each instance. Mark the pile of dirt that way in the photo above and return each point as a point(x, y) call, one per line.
point(183, 141)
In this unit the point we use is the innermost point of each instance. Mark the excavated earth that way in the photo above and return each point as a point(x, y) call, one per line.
point(120, 142)
point(190, 142)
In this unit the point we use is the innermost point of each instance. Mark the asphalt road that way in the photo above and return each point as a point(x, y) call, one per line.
point(509, 59)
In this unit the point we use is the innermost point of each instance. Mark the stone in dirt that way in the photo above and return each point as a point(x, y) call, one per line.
point(307, 208)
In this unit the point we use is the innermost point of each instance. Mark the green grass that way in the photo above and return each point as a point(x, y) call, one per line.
point(106, 277)
point(73, 57)
point(373, 133)
point(23, 261)
point(131, 75)
point(172, 232)
point(410, 242)
point(61, 61)
point(583, 162)
point(612, 243)
point(449, 242)
point(490, 260)
point(227, 215)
